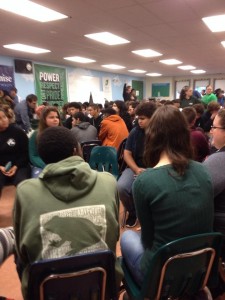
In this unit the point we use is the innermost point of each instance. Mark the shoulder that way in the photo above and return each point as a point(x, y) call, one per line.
point(216, 159)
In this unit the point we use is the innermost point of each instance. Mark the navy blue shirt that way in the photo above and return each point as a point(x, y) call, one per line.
point(135, 144)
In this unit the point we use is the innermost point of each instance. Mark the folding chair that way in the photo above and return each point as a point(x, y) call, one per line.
point(87, 146)
point(182, 268)
point(104, 158)
point(88, 276)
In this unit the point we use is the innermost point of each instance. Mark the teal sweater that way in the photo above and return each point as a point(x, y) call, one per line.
point(170, 206)
point(34, 157)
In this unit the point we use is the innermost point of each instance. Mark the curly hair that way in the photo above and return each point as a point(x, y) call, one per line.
point(55, 144)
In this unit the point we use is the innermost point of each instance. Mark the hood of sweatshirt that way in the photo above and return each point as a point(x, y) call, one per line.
point(83, 125)
point(113, 118)
point(69, 179)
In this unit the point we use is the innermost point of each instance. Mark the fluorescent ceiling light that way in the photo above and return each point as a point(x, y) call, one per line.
point(107, 38)
point(113, 67)
point(223, 43)
point(31, 10)
point(147, 53)
point(82, 60)
point(26, 48)
point(153, 74)
point(215, 23)
point(137, 71)
point(187, 67)
point(171, 61)
point(198, 71)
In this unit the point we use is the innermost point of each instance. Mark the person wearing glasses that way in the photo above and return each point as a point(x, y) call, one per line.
point(215, 164)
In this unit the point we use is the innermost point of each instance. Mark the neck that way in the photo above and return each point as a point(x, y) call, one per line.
point(163, 160)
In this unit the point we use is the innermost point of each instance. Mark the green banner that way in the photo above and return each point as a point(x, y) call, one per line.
point(50, 84)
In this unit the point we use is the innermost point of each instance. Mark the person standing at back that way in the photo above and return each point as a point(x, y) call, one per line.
point(209, 96)
point(127, 92)
point(187, 98)
point(24, 111)
point(96, 116)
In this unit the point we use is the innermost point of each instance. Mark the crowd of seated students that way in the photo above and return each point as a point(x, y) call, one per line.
point(163, 152)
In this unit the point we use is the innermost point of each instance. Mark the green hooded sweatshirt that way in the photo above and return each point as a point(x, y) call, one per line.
point(69, 209)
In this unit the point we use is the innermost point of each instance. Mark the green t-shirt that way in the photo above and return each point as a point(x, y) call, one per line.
point(209, 98)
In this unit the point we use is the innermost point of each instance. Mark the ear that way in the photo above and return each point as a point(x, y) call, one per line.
point(78, 151)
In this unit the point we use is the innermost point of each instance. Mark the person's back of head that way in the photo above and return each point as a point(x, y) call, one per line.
point(189, 114)
point(168, 132)
point(56, 144)
point(145, 109)
point(79, 115)
point(199, 108)
point(213, 106)
point(108, 112)
point(121, 106)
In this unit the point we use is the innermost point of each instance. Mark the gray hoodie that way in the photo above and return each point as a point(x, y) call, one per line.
point(84, 132)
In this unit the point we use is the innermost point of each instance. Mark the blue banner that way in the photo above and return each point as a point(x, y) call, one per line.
point(6, 78)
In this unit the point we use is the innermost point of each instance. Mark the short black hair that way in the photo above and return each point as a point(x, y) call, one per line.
point(55, 144)
point(76, 105)
point(109, 111)
point(146, 109)
point(79, 115)
point(31, 97)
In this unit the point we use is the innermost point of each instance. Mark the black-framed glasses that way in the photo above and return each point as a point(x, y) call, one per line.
point(214, 127)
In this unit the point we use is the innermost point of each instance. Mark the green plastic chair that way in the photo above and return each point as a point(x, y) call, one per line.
point(182, 268)
point(104, 158)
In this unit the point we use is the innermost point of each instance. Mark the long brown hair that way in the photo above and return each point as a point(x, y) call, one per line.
point(168, 131)
point(42, 122)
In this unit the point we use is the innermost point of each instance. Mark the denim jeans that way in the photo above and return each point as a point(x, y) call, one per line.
point(124, 186)
point(132, 251)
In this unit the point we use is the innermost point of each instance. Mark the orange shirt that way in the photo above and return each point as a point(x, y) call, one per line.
point(113, 131)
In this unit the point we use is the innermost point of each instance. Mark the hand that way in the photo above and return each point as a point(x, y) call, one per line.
point(213, 115)
point(139, 171)
point(10, 173)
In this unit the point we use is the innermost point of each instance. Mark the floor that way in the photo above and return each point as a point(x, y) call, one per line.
point(9, 281)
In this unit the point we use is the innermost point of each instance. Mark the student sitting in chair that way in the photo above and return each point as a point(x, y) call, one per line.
point(69, 209)
point(133, 156)
point(173, 197)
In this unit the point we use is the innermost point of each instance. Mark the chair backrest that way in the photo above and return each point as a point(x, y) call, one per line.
point(104, 158)
point(82, 277)
point(120, 157)
point(87, 147)
point(179, 268)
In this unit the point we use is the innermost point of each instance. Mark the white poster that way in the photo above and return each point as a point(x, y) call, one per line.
point(107, 88)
